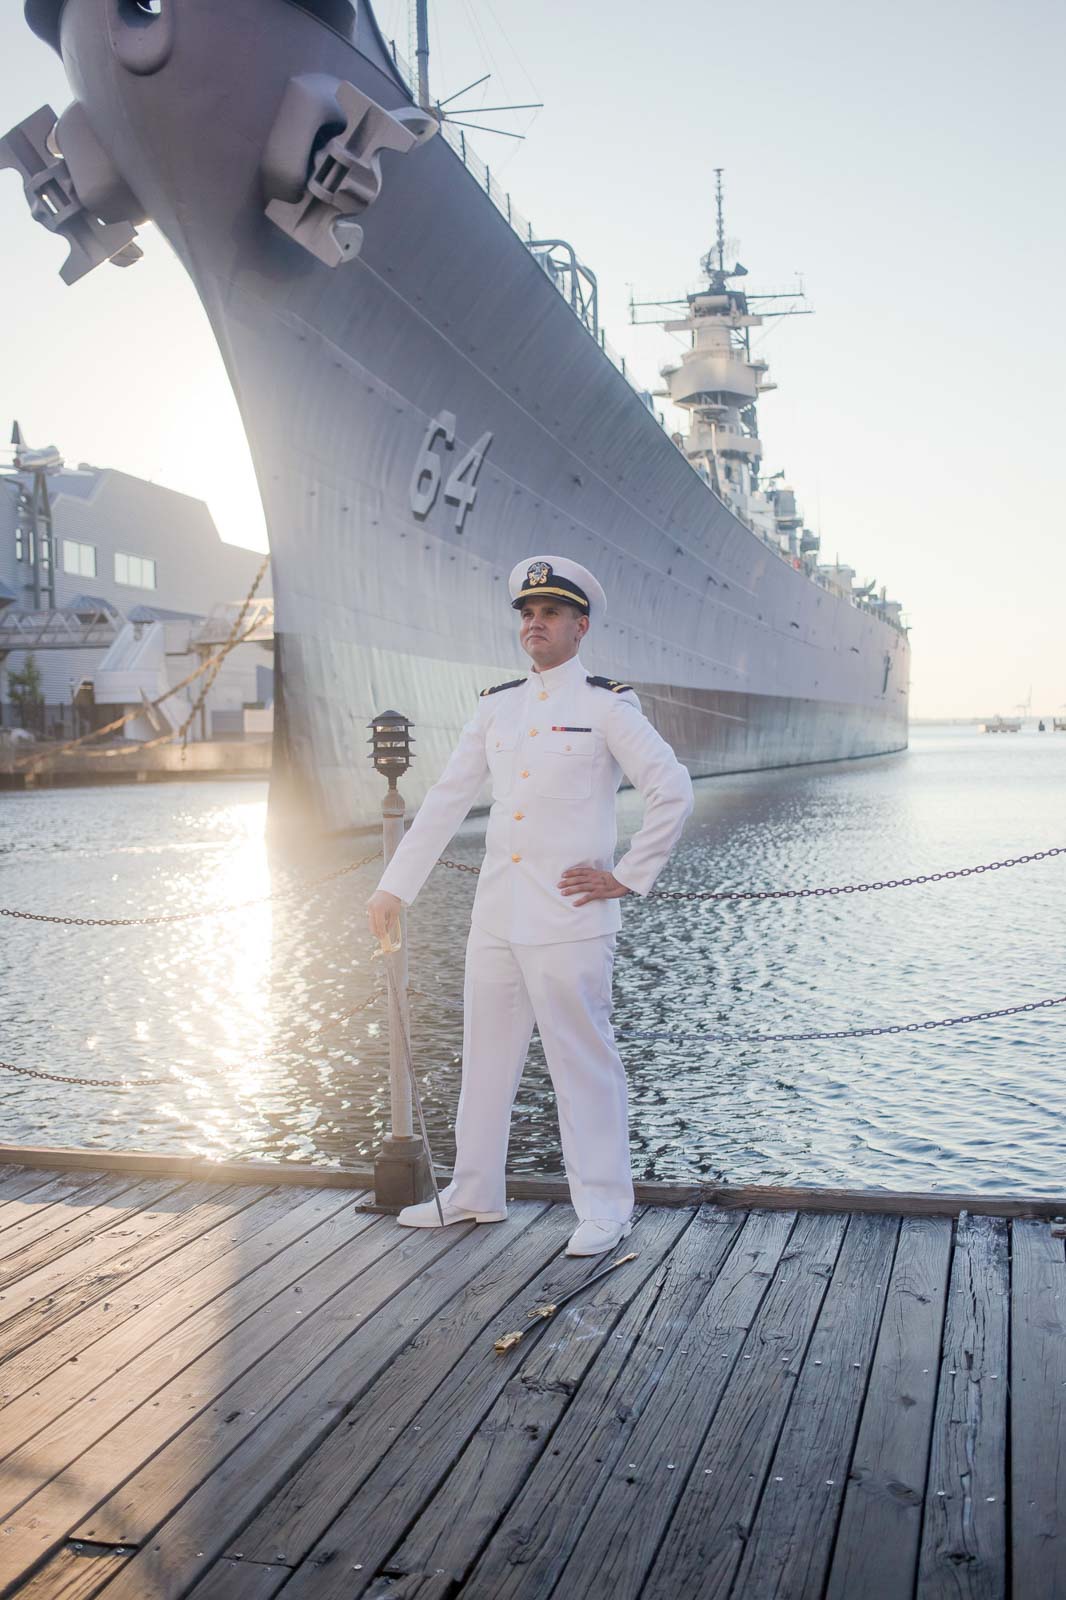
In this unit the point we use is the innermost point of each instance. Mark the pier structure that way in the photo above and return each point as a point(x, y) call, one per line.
point(109, 581)
point(234, 1381)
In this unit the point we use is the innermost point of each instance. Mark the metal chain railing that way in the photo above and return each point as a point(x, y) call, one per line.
point(464, 866)
point(834, 889)
point(844, 1033)
point(163, 919)
point(155, 1083)
point(797, 1038)
point(666, 1037)
point(212, 665)
point(810, 1037)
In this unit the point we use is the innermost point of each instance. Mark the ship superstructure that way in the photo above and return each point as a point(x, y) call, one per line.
point(717, 382)
point(429, 399)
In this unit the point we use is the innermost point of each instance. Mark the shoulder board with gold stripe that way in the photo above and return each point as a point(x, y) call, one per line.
point(610, 683)
point(515, 683)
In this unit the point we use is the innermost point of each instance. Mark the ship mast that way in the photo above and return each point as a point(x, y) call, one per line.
point(422, 51)
point(718, 381)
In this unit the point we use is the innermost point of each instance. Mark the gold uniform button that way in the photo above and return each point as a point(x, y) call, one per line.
point(533, 733)
point(567, 747)
point(516, 858)
point(525, 774)
point(519, 816)
point(543, 695)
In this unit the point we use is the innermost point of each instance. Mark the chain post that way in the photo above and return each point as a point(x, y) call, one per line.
point(401, 1168)
point(393, 819)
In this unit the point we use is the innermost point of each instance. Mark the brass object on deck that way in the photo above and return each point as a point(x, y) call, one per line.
point(508, 1341)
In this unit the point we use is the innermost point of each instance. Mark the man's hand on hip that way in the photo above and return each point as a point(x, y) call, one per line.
point(382, 909)
point(591, 884)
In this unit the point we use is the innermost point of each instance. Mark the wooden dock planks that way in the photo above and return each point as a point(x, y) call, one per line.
point(231, 1392)
point(964, 1545)
point(1038, 1413)
point(876, 1552)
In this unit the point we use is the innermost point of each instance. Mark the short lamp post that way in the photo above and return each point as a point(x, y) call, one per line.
point(401, 1169)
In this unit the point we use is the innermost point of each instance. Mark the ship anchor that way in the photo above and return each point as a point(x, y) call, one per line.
point(314, 197)
point(73, 190)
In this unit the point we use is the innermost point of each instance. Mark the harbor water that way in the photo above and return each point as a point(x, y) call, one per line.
point(242, 1014)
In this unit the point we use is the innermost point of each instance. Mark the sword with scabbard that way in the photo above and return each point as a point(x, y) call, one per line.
point(387, 951)
point(508, 1341)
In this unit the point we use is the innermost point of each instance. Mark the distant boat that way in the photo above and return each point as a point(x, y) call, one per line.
point(999, 724)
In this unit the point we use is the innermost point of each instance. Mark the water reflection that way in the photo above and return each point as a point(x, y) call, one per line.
point(247, 1015)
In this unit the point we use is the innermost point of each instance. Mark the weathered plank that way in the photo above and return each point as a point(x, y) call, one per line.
point(304, 1507)
point(296, 1535)
point(33, 1243)
point(705, 1540)
point(502, 1411)
point(881, 1521)
point(16, 1182)
point(178, 1375)
point(591, 1514)
point(232, 1578)
point(235, 1580)
point(790, 1545)
point(412, 1586)
point(201, 1486)
point(76, 1572)
point(1038, 1413)
point(43, 1300)
point(37, 1212)
point(165, 1294)
point(963, 1549)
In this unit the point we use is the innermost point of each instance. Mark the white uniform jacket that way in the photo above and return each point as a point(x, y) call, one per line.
point(556, 749)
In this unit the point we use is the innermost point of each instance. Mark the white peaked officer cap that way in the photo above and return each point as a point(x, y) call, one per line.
point(559, 579)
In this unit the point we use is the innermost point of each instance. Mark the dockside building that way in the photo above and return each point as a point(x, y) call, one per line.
point(123, 549)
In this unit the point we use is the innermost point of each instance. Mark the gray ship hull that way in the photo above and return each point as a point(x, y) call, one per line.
point(382, 601)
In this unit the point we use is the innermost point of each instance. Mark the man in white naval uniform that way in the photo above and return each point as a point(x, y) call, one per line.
point(556, 745)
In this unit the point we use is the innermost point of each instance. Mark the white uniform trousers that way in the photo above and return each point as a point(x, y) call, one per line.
point(566, 990)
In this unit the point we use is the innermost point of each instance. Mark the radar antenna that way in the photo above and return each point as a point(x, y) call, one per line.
point(713, 263)
point(720, 210)
point(422, 52)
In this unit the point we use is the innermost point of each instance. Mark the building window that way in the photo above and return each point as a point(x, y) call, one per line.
point(138, 572)
point(79, 558)
point(20, 542)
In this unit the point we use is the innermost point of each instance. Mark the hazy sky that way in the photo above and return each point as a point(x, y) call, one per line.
point(907, 161)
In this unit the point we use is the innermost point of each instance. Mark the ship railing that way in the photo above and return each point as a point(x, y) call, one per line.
point(481, 172)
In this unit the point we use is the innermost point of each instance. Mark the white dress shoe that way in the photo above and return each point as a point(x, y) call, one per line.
point(427, 1216)
point(595, 1238)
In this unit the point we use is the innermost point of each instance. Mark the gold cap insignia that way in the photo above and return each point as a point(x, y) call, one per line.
point(539, 572)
